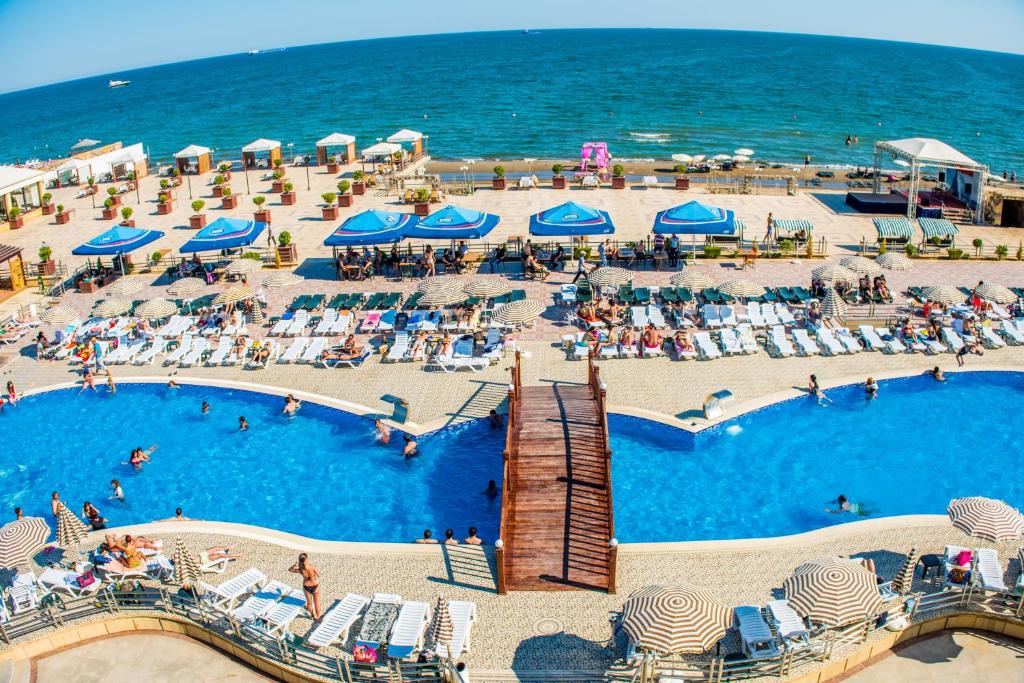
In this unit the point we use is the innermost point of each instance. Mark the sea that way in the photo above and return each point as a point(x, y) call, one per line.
point(540, 94)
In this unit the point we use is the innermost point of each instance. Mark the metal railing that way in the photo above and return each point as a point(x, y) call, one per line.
point(600, 392)
point(511, 447)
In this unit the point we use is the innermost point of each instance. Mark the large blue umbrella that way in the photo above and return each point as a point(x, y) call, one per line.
point(371, 227)
point(454, 223)
point(224, 233)
point(120, 239)
point(569, 220)
point(694, 218)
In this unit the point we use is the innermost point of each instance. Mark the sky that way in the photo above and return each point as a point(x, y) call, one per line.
point(68, 39)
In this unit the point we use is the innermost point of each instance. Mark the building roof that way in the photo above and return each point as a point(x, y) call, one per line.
point(7, 252)
point(192, 151)
point(15, 177)
point(405, 135)
point(381, 149)
point(336, 139)
point(261, 145)
point(930, 150)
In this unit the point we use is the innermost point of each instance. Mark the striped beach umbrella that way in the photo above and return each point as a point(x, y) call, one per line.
point(860, 265)
point(691, 278)
point(20, 539)
point(743, 289)
point(441, 628)
point(603, 277)
point(234, 295)
point(904, 579)
point(156, 308)
point(257, 313)
point(186, 569)
point(518, 312)
point(892, 260)
point(115, 305)
point(834, 591)
point(834, 273)
point(992, 520)
point(833, 306)
point(285, 279)
point(996, 293)
point(442, 297)
point(438, 283)
point(675, 619)
point(186, 286)
point(59, 315)
point(70, 531)
point(944, 294)
point(125, 286)
point(243, 266)
point(488, 287)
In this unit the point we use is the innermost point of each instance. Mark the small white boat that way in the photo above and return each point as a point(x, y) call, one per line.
point(254, 52)
point(117, 84)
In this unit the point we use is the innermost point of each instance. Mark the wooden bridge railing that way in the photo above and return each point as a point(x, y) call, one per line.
point(600, 394)
point(514, 388)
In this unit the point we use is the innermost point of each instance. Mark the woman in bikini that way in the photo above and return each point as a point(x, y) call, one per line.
point(310, 584)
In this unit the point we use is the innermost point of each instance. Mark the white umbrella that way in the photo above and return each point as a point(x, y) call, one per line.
point(997, 293)
point(741, 158)
point(186, 286)
point(682, 158)
point(282, 280)
point(699, 157)
point(126, 285)
point(517, 312)
point(70, 531)
point(115, 305)
point(234, 295)
point(85, 142)
point(894, 261)
point(156, 308)
point(860, 265)
point(488, 287)
point(59, 315)
point(241, 266)
point(744, 151)
point(742, 289)
point(721, 157)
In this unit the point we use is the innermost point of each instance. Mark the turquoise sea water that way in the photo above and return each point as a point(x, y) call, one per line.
point(648, 93)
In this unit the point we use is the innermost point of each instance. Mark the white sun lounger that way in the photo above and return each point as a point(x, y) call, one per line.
point(171, 327)
point(298, 324)
point(829, 343)
point(195, 353)
point(177, 354)
point(638, 314)
point(770, 317)
point(350, 362)
point(747, 339)
point(220, 354)
point(952, 339)
point(848, 340)
point(754, 314)
point(452, 363)
point(275, 350)
point(990, 339)
point(756, 637)
point(871, 339)
point(294, 351)
point(129, 352)
point(778, 343)
point(260, 602)
point(399, 348)
point(950, 557)
point(494, 348)
point(790, 627)
point(335, 624)
point(706, 348)
point(280, 616)
point(728, 315)
point(990, 570)
point(710, 314)
point(463, 614)
point(1011, 333)
point(805, 345)
point(146, 357)
point(730, 341)
point(407, 633)
point(224, 595)
point(280, 327)
point(786, 316)
point(656, 317)
point(629, 350)
point(342, 324)
point(313, 351)
point(329, 318)
point(66, 581)
point(24, 592)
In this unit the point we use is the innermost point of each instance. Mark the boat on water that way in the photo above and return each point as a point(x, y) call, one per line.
point(530, 32)
point(254, 52)
point(117, 84)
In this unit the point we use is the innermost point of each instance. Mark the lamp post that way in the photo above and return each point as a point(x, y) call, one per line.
point(305, 162)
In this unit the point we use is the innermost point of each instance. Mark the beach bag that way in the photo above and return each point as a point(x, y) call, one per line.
point(85, 580)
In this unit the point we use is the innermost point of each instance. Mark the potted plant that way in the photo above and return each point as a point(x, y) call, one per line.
point(109, 210)
point(278, 163)
point(682, 181)
point(557, 179)
point(618, 177)
point(332, 164)
point(114, 196)
point(14, 218)
point(198, 219)
point(277, 185)
point(285, 249)
point(344, 198)
point(164, 204)
point(421, 199)
point(498, 181)
point(90, 183)
point(358, 184)
point(228, 200)
point(175, 177)
point(166, 188)
point(219, 185)
point(47, 266)
point(224, 168)
point(62, 215)
point(288, 196)
point(977, 244)
point(260, 215)
point(47, 203)
point(126, 216)
point(330, 209)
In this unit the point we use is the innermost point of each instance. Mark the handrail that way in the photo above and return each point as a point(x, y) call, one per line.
point(600, 395)
point(511, 450)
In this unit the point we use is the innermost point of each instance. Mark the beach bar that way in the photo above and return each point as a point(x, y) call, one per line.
point(22, 188)
point(194, 160)
point(261, 153)
point(336, 144)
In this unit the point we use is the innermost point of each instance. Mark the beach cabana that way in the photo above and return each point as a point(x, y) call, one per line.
point(894, 230)
point(371, 227)
point(786, 228)
point(194, 159)
point(344, 146)
point(224, 233)
point(938, 228)
point(379, 153)
point(261, 153)
point(408, 139)
point(571, 220)
point(454, 223)
point(695, 218)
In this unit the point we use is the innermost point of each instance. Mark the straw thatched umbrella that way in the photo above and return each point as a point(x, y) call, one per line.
point(904, 579)
point(742, 289)
point(126, 286)
point(442, 297)
point(242, 266)
point(860, 265)
point(833, 306)
point(944, 294)
point(996, 293)
point(603, 277)
point(284, 279)
point(488, 287)
point(115, 305)
point(20, 539)
point(186, 286)
point(518, 312)
point(439, 282)
point(441, 628)
point(186, 569)
point(234, 295)
point(992, 520)
point(675, 619)
point(693, 279)
point(59, 315)
point(156, 308)
point(834, 273)
point(70, 531)
point(894, 261)
point(834, 591)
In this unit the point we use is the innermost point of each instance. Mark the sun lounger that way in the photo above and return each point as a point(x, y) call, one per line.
point(374, 301)
point(24, 593)
point(638, 314)
point(728, 315)
point(216, 565)
point(177, 354)
point(298, 324)
point(295, 351)
point(281, 326)
point(848, 341)
point(790, 626)
point(786, 316)
point(370, 322)
point(730, 341)
point(349, 362)
point(871, 339)
point(778, 344)
point(829, 343)
point(950, 562)
point(399, 348)
point(195, 353)
point(275, 350)
point(805, 345)
point(463, 614)
point(706, 348)
point(711, 316)
point(129, 353)
point(148, 355)
point(326, 322)
point(1012, 334)
point(770, 317)
point(754, 316)
point(408, 630)
point(387, 321)
point(66, 581)
point(260, 602)
point(494, 347)
point(990, 571)
point(756, 637)
point(655, 317)
point(990, 339)
point(335, 624)
point(280, 616)
point(452, 363)
point(747, 340)
point(952, 339)
point(341, 324)
point(313, 351)
point(220, 353)
point(224, 595)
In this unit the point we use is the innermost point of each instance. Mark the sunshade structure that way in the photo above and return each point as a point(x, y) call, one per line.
point(234, 295)
point(893, 229)
point(834, 591)
point(442, 630)
point(833, 306)
point(242, 266)
point(155, 309)
point(186, 286)
point(834, 273)
point(194, 159)
point(115, 305)
point(20, 539)
point(412, 138)
point(695, 218)
point(120, 239)
point(904, 579)
point(518, 312)
point(70, 531)
point(224, 233)
point(745, 151)
point(371, 227)
point(860, 265)
point(454, 223)
point(59, 315)
point(944, 294)
point(278, 280)
point(259, 150)
point(992, 520)
point(571, 220)
point(996, 293)
point(336, 144)
point(891, 260)
point(938, 228)
point(440, 283)
point(602, 277)
point(675, 619)
point(442, 297)
point(789, 226)
point(742, 289)
point(126, 286)
point(488, 287)
point(697, 280)
point(186, 569)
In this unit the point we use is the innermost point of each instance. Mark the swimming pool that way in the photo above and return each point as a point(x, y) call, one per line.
point(319, 474)
point(772, 472)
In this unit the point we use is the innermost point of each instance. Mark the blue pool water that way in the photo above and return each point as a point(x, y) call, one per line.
point(319, 474)
point(771, 472)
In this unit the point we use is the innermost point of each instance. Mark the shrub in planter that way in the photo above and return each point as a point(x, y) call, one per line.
point(254, 255)
point(262, 215)
point(786, 246)
point(358, 185)
point(224, 167)
point(910, 250)
point(421, 199)
point(284, 239)
point(90, 181)
point(557, 179)
point(164, 184)
point(288, 196)
point(330, 209)
point(112, 191)
point(164, 205)
point(126, 215)
point(883, 248)
point(198, 205)
point(113, 196)
point(1002, 251)
point(618, 177)
point(47, 203)
point(109, 211)
point(344, 198)
point(499, 171)
point(680, 169)
point(228, 200)
point(328, 198)
point(498, 181)
point(977, 244)
point(332, 164)
point(581, 251)
point(682, 182)
point(155, 257)
point(62, 216)
point(278, 163)
point(197, 220)
point(955, 254)
point(14, 217)
point(45, 253)
point(712, 251)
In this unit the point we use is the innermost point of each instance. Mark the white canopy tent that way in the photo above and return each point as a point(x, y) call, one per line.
point(381, 149)
point(335, 140)
point(261, 145)
point(191, 152)
point(116, 163)
point(405, 136)
point(964, 176)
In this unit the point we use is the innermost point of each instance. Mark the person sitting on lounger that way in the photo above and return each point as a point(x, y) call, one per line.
point(419, 345)
point(444, 349)
point(626, 338)
point(650, 340)
point(909, 334)
point(348, 351)
point(533, 267)
point(608, 311)
point(131, 557)
point(262, 355)
point(590, 339)
point(682, 344)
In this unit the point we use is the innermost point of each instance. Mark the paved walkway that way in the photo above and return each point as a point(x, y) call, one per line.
point(950, 656)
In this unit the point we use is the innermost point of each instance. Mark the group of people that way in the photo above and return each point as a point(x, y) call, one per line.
point(449, 538)
point(354, 265)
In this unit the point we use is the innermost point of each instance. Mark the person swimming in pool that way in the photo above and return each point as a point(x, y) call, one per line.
point(410, 448)
point(206, 407)
point(291, 404)
point(242, 424)
point(937, 374)
point(844, 504)
point(814, 390)
point(383, 435)
point(871, 388)
point(492, 491)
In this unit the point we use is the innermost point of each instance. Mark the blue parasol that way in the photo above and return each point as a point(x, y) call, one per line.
point(371, 227)
point(224, 233)
point(694, 218)
point(569, 220)
point(120, 239)
point(454, 223)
